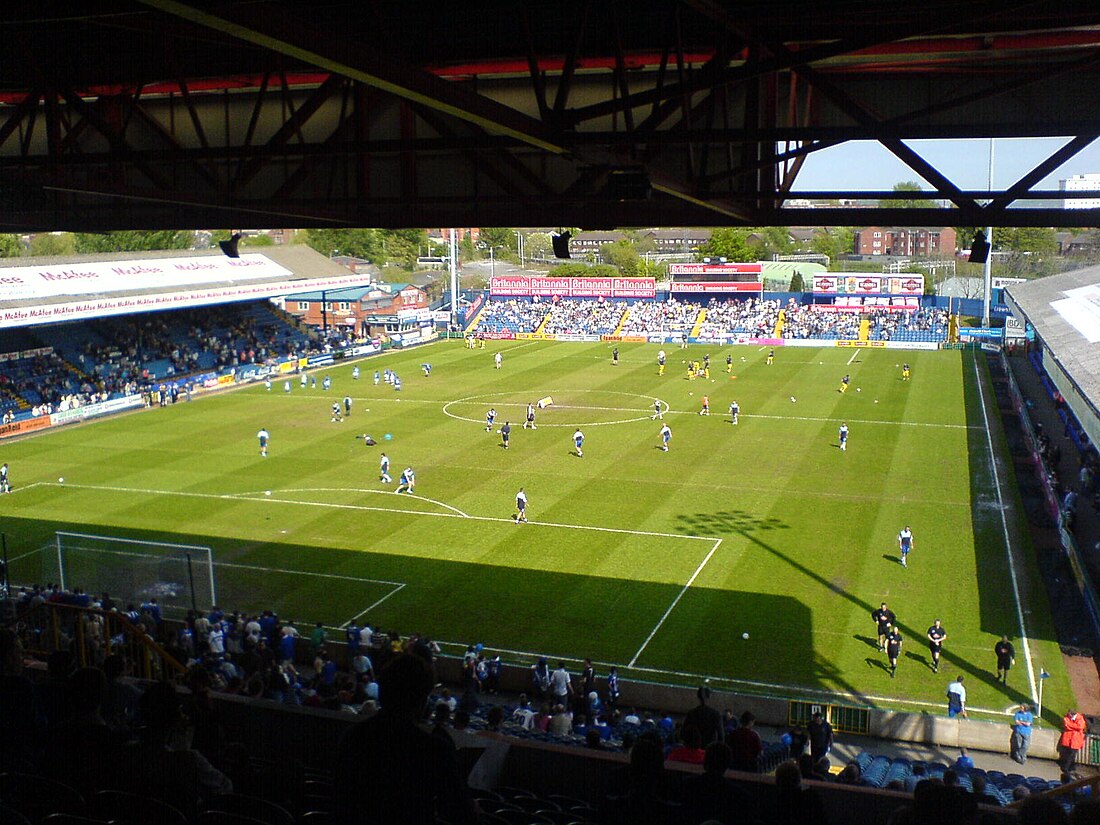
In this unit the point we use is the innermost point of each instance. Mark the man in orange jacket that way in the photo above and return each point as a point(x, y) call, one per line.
point(1071, 741)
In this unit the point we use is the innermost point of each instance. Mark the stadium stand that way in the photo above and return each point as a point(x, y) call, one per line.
point(753, 317)
point(219, 778)
point(70, 365)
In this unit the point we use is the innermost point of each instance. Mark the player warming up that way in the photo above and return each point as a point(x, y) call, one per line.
point(5, 485)
point(844, 382)
point(498, 359)
point(893, 649)
point(705, 409)
point(530, 422)
point(657, 411)
point(905, 544)
point(735, 412)
point(883, 618)
point(490, 417)
point(384, 469)
point(615, 357)
point(904, 372)
point(666, 436)
point(521, 506)
point(771, 357)
point(505, 434)
point(844, 438)
point(660, 362)
point(578, 442)
point(262, 435)
point(407, 481)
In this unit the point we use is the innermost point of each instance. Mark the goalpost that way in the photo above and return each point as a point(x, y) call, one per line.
point(179, 576)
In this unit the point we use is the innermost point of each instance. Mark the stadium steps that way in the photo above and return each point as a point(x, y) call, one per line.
point(700, 319)
point(471, 323)
point(21, 403)
point(780, 322)
point(545, 321)
point(622, 322)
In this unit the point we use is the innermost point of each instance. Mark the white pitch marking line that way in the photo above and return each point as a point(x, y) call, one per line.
point(853, 358)
point(1008, 541)
point(785, 689)
point(362, 613)
point(28, 487)
point(334, 506)
point(354, 490)
point(675, 602)
point(262, 569)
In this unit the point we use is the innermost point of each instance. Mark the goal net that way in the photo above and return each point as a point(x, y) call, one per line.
point(179, 576)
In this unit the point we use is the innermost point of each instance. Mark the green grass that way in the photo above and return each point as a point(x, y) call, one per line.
point(799, 538)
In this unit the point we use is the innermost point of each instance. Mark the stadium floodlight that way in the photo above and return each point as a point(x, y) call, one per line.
point(230, 247)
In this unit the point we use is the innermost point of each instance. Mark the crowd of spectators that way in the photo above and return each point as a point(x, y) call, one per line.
point(405, 752)
point(584, 317)
point(512, 316)
point(753, 317)
point(125, 355)
point(671, 317)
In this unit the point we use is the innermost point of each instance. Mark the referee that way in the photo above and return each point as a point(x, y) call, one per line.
point(883, 617)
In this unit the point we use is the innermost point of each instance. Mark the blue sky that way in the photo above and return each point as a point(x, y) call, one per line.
point(867, 165)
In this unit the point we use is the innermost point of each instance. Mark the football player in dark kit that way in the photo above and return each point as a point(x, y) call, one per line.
point(1006, 658)
point(936, 637)
point(883, 617)
point(893, 648)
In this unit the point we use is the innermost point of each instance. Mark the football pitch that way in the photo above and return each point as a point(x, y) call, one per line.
point(657, 562)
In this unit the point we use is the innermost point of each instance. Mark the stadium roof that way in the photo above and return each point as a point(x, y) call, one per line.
point(56, 289)
point(1065, 311)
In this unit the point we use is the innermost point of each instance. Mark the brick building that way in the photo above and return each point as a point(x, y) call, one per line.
point(366, 310)
point(905, 242)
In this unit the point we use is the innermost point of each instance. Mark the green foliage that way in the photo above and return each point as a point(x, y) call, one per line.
point(358, 243)
point(10, 246)
point(257, 240)
point(1031, 240)
point(499, 236)
point(835, 242)
point(774, 240)
point(46, 244)
point(624, 256)
point(87, 243)
point(729, 243)
point(584, 271)
point(538, 245)
point(797, 283)
point(906, 203)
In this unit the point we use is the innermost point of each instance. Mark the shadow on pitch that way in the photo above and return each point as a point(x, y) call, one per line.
point(894, 559)
point(867, 640)
point(919, 659)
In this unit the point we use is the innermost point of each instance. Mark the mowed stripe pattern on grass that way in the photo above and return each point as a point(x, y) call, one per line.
point(806, 529)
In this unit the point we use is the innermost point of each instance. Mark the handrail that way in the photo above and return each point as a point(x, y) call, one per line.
point(52, 626)
point(1092, 782)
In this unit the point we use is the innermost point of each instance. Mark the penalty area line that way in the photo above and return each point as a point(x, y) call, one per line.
point(675, 602)
point(363, 613)
point(853, 358)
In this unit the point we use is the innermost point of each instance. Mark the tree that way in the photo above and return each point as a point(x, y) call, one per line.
point(538, 245)
point(10, 246)
point(131, 241)
point(45, 244)
point(835, 241)
point(623, 255)
point(1026, 240)
point(797, 283)
point(358, 243)
point(774, 240)
point(499, 237)
point(906, 203)
point(728, 243)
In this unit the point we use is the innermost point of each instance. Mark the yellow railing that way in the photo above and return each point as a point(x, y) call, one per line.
point(92, 635)
point(699, 319)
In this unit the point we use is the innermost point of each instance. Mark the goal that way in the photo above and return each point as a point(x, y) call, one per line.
point(179, 576)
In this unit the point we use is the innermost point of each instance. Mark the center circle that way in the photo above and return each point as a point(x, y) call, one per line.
point(591, 411)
